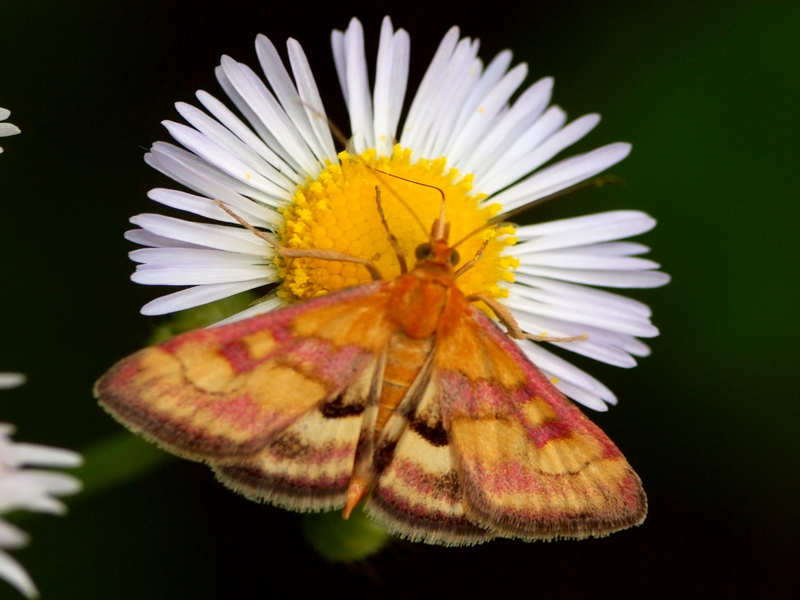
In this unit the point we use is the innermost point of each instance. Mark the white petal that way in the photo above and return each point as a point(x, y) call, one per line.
point(267, 110)
point(582, 231)
point(612, 279)
point(519, 299)
point(616, 249)
point(483, 115)
point(199, 274)
point(12, 536)
point(10, 380)
point(290, 164)
point(576, 259)
point(20, 490)
point(581, 296)
point(593, 347)
point(480, 84)
point(146, 238)
point(195, 256)
point(391, 75)
point(234, 124)
point(359, 103)
point(268, 305)
point(579, 304)
point(416, 122)
point(7, 129)
point(220, 237)
point(198, 295)
point(563, 370)
point(226, 142)
point(490, 177)
point(255, 214)
point(562, 175)
point(53, 482)
point(636, 348)
point(46, 456)
point(39, 504)
point(339, 60)
point(287, 94)
point(351, 65)
point(506, 130)
point(582, 396)
point(555, 365)
point(225, 160)
point(15, 574)
point(547, 150)
point(312, 101)
point(440, 120)
point(203, 177)
point(26, 486)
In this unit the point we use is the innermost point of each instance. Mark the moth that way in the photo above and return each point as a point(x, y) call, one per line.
point(400, 392)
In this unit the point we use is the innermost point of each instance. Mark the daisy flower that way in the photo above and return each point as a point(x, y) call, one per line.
point(28, 489)
point(275, 165)
point(6, 129)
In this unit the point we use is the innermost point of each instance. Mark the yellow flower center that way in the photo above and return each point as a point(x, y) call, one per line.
point(338, 211)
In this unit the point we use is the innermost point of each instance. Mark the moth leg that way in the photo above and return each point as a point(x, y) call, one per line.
point(304, 252)
point(468, 265)
point(513, 329)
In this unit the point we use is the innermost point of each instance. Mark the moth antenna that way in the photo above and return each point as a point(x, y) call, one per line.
point(427, 185)
point(318, 114)
point(290, 253)
point(442, 228)
point(471, 263)
point(346, 142)
point(400, 198)
point(392, 238)
point(266, 237)
point(337, 133)
point(598, 181)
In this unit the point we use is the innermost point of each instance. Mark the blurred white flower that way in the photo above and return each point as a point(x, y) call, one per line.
point(22, 488)
point(6, 129)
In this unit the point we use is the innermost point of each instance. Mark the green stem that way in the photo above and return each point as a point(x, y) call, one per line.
point(117, 459)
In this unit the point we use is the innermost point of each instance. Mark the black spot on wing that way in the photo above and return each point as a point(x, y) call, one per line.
point(289, 446)
point(448, 486)
point(336, 408)
point(435, 434)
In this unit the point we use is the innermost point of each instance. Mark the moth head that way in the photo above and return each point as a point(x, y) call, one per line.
point(438, 252)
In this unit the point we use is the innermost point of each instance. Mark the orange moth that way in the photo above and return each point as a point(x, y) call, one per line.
point(400, 392)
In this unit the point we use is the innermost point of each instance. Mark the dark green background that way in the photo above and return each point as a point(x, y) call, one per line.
point(708, 95)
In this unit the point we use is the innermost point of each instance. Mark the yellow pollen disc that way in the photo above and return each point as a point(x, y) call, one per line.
point(338, 211)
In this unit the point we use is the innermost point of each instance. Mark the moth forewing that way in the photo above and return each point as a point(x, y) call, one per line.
point(532, 465)
point(308, 466)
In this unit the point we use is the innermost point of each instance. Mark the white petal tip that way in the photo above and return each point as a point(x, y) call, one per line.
point(11, 380)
